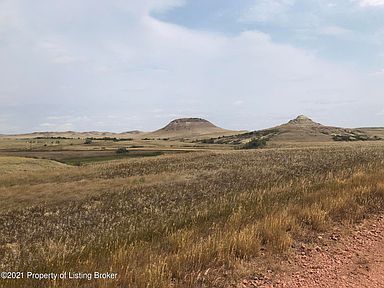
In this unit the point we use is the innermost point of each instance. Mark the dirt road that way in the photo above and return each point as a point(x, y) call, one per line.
point(353, 261)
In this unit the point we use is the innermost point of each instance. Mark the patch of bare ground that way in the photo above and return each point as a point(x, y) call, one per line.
point(338, 259)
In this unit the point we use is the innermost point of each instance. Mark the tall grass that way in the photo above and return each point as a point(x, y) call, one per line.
point(193, 232)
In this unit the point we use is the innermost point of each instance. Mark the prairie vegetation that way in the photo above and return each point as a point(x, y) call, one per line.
point(21, 164)
point(183, 220)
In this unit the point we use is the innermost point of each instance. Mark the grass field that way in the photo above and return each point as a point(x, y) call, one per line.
point(112, 156)
point(9, 164)
point(200, 219)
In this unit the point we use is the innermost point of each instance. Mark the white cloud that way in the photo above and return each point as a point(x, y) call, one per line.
point(58, 53)
point(334, 31)
point(267, 10)
point(55, 127)
point(7, 126)
point(371, 3)
point(126, 62)
point(238, 102)
point(379, 73)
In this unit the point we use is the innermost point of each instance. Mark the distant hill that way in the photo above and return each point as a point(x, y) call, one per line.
point(300, 129)
point(190, 128)
point(73, 134)
point(184, 128)
point(133, 132)
point(373, 131)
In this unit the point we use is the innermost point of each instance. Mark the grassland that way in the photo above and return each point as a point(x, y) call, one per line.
point(200, 219)
point(21, 164)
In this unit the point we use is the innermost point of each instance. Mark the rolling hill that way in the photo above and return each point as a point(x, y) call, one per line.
point(301, 129)
point(74, 134)
point(190, 128)
point(183, 128)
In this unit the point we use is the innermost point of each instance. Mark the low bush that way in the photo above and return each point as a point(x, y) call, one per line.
point(121, 150)
point(255, 144)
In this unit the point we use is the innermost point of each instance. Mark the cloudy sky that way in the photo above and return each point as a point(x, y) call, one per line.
point(118, 65)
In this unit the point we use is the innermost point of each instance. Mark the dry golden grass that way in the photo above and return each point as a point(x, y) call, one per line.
point(182, 220)
point(18, 165)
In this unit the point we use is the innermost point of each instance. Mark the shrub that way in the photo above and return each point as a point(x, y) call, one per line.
point(255, 144)
point(208, 141)
point(88, 141)
point(121, 150)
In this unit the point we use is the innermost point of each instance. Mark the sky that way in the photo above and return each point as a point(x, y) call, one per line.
point(121, 65)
